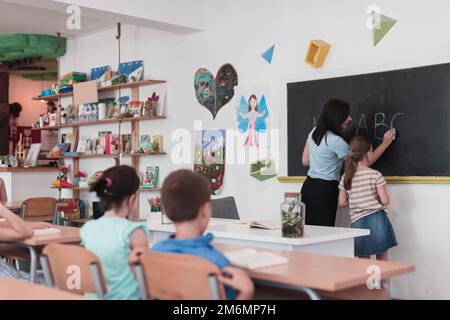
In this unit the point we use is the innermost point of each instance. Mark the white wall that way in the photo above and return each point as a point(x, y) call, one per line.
point(189, 13)
point(238, 32)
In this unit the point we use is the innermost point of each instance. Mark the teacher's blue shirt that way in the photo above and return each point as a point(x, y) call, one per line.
point(326, 160)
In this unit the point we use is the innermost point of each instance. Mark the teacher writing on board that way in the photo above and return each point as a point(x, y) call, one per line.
point(324, 153)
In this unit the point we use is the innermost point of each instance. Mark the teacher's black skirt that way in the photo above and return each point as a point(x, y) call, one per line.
point(321, 200)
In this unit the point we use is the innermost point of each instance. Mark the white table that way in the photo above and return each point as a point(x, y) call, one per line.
point(320, 240)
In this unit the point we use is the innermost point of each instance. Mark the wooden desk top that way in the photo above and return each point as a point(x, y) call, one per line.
point(16, 205)
point(19, 290)
point(320, 272)
point(67, 235)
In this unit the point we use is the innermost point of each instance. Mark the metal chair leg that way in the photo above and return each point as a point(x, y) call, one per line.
point(139, 273)
point(33, 263)
point(214, 287)
point(46, 270)
point(97, 281)
point(308, 291)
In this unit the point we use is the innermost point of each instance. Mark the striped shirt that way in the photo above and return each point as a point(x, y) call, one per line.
point(363, 197)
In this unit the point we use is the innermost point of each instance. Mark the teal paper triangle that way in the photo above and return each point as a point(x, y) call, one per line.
point(268, 54)
point(386, 25)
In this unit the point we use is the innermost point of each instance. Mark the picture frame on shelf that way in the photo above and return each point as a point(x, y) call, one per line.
point(151, 177)
point(33, 154)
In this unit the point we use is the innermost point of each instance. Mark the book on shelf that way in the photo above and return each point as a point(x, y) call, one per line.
point(126, 143)
point(83, 144)
point(157, 143)
point(104, 142)
point(253, 259)
point(145, 144)
point(151, 178)
point(115, 144)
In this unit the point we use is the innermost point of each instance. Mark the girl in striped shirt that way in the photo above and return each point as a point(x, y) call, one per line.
point(364, 190)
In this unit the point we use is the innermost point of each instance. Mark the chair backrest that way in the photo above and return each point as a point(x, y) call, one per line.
point(74, 269)
point(39, 209)
point(224, 208)
point(167, 276)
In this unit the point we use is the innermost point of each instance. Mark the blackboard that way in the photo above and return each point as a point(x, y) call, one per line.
point(415, 101)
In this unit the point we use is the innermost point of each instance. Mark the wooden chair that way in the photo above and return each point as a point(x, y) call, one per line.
point(39, 210)
point(62, 264)
point(165, 276)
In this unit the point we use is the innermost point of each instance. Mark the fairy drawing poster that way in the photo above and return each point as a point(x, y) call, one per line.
point(252, 114)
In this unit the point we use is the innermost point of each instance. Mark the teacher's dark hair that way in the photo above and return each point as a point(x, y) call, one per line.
point(334, 113)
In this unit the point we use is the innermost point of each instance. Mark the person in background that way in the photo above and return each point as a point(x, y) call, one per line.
point(186, 198)
point(3, 194)
point(364, 190)
point(113, 237)
point(15, 110)
point(324, 153)
point(13, 228)
point(51, 107)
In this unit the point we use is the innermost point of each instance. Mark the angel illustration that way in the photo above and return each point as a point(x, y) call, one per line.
point(252, 119)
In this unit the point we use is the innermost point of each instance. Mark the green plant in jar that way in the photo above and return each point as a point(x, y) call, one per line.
point(292, 216)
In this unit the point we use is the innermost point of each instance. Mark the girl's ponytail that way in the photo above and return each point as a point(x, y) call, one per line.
point(350, 170)
point(359, 147)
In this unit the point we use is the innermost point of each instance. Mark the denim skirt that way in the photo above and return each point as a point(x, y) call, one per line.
point(381, 238)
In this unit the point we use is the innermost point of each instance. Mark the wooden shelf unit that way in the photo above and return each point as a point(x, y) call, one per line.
point(99, 122)
point(135, 125)
point(86, 189)
point(25, 170)
point(93, 156)
point(130, 85)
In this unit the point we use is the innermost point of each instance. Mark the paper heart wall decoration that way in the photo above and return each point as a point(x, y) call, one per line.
point(214, 93)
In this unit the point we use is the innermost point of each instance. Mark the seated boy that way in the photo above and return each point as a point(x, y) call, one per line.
point(186, 199)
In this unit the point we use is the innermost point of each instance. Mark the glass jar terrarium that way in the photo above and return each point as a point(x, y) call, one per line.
point(292, 216)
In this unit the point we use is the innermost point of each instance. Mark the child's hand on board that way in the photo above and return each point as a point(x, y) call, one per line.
point(389, 137)
point(238, 280)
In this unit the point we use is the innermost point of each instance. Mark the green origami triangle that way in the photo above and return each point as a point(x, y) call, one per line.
point(386, 25)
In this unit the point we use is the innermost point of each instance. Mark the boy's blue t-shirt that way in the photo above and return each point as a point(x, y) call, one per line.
point(200, 247)
point(109, 239)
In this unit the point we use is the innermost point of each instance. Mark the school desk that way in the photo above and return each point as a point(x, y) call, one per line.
point(321, 240)
point(36, 243)
point(13, 206)
point(321, 276)
point(19, 290)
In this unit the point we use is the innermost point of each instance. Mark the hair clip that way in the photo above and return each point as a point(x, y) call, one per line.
point(108, 182)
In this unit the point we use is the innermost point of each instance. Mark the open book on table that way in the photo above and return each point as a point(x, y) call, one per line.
point(42, 232)
point(268, 225)
point(252, 259)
